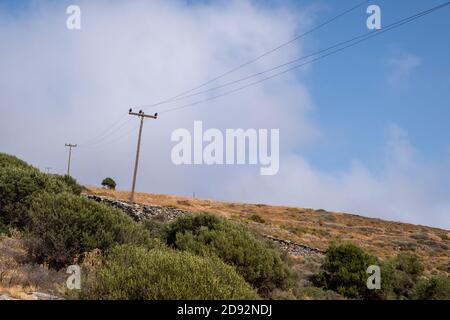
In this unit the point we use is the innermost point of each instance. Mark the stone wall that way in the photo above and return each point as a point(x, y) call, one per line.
point(141, 212)
point(294, 249)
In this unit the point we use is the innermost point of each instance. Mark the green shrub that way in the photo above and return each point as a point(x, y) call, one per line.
point(7, 160)
point(71, 183)
point(109, 183)
point(399, 277)
point(156, 229)
point(257, 218)
point(3, 228)
point(191, 223)
point(258, 262)
point(436, 288)
point(344, 271)
point(18, 183)
point(63, 226)
point(135, 273)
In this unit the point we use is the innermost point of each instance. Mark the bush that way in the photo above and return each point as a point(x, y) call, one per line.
point(399, 277)
point(258, 262)
point(156, 229)
point(63, 226)
point(109, 183)
point(7, 160)
point(436, 288)
point(344, 271)
point(135, 273)
point(3, 228)
point(71, 183)
point(18, 183)
point(257, 218)
point(18, 180)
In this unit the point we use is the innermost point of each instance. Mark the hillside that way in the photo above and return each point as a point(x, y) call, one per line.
point(317, 228)
point(48, 222)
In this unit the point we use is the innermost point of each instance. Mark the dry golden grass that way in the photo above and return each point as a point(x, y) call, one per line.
point(318, 228)
point(18, 278)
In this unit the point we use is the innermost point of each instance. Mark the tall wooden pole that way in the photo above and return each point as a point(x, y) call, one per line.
point(70, 155)
point(141, 115)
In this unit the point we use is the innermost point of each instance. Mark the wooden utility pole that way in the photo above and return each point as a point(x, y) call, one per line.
point(141, 115)
point(70, 155)
point(47, 169)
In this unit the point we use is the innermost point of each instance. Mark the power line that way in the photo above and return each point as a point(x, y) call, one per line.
point(366, 37)
point(277, 67)
point(106, 132)
point(260, 56)
point(105, 139)
point(112, 141)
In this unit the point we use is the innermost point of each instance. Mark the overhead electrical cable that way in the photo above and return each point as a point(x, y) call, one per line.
point(266, 53)
point(119, 123)
point(365, 38)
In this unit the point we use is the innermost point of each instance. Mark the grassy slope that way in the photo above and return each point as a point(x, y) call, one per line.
point(318, 228)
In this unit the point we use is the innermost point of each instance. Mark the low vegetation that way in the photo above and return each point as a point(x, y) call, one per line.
point(197, 256)
point(256, 260)
point(344, 271)
point(136, 273)
point(436, 288)
point(19, 277)
point(63, 226)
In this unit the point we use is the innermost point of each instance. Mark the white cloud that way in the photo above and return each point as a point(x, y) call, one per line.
point(401, 66)
point(63, 86)
point(406, 188)
point(66, 86)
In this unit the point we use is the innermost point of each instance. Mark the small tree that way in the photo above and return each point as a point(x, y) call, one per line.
point(109, 183)
point(344, 270)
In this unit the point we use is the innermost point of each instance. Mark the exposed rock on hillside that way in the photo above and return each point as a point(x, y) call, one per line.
point(294, 249)
point(141, 212)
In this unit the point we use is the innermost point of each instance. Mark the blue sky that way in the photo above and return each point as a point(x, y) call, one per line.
point(367, 102)
point(363, 131)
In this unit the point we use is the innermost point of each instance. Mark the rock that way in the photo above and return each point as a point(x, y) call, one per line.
point(33, 296)
point(43, 296)
point(293, 248)
point(141, 212)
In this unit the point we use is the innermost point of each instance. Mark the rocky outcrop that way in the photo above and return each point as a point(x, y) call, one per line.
point(293, 248)
point(33, 296)
point(141, 212)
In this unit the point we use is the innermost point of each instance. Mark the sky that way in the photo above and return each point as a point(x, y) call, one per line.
point(364, 131)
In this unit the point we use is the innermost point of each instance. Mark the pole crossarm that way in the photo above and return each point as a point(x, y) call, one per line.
point(142, 114)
